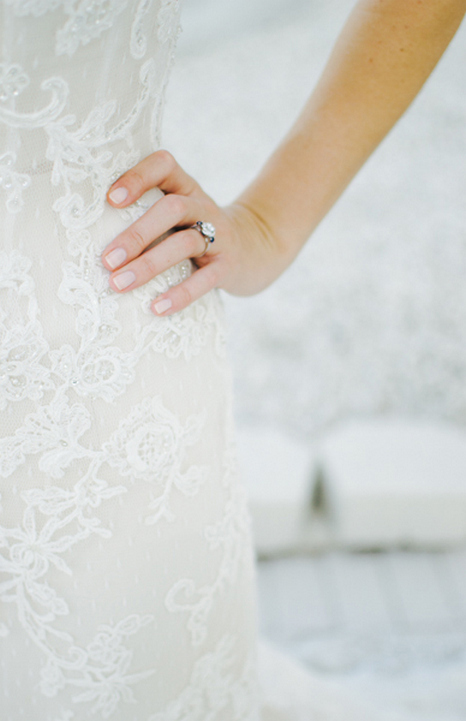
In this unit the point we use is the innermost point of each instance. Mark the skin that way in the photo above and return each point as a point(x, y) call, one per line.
point(384, 54)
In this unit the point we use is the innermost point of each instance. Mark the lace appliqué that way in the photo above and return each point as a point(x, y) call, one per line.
point(95, 371)
point(79, 154)
point(215, 688)
point(54, 521)
point(184, 333)
point(138, 43)
point(54, 432)
point(12, 183)
point(150, 445)
point(22, 345)
point(13, 80)
point(231, 537)
point(21, 373)
point(37, 119)
point(97, 368)
point(105, 679)
point(88, 20)
point(167, 29)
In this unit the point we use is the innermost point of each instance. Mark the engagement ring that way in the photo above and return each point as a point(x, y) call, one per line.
point(207, 231)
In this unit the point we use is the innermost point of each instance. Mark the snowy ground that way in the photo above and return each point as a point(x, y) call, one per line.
point(370, 320)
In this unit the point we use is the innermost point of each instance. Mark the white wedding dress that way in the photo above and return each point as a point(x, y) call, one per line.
point(126, 579)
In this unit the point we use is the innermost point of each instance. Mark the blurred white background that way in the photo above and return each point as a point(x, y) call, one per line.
point(350, 372)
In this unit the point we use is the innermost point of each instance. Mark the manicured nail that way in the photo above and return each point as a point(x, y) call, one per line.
point(162, 305)
point(116, 257)
point(123, 280)
point(118, 195)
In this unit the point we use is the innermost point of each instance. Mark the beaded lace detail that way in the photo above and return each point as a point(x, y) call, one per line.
point(123, 533)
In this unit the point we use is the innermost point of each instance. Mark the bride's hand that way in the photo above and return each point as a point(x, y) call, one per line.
point(244, 258)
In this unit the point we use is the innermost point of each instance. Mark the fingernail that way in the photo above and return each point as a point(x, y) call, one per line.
point(118, 195)
point(116, 257)
point(162, 305)
point(123, 280)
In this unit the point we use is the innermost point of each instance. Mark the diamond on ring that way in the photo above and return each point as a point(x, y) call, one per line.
point(207, 230)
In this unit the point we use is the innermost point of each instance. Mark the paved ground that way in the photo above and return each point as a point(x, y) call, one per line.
point(392, 625)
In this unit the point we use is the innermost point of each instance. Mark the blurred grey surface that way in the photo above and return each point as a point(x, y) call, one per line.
point(391, 626)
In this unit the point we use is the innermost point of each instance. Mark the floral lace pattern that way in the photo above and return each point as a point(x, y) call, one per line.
point(123, 533)
point(54, 521)
point(12, 183)
point(12, 81)
point(22, 344)
point(211, 692)
point(231, 536)
point(138, 37)
point(88, 20)
point(150, 445)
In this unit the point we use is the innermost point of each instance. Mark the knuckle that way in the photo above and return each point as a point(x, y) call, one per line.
point(136, 181)
point(136, 239)
point(166, 159)
point(184, 296)
point(148, 265)
point(175, 205)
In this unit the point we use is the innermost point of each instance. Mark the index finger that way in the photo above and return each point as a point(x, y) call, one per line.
point(157, 170)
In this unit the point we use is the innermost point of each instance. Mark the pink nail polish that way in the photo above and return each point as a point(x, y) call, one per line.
point(123, 280)
point(118, 195)
point(116, 257)
point(162, 305)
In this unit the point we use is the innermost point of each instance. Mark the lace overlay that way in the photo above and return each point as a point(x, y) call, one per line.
point(125, 560)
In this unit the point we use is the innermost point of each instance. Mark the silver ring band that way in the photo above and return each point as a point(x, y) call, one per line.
point(207, 230)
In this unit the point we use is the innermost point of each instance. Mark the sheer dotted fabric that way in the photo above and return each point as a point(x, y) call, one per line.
point(126, 582)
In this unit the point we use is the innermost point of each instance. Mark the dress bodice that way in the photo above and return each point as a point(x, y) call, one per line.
point(81, 90)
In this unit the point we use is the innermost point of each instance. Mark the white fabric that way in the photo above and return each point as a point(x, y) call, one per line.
point(126, 574)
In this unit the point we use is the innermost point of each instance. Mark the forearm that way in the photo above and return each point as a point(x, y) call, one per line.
point(383, 56)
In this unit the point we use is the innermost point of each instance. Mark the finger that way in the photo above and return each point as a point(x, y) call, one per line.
point(167, 213)
point(157, 170)
point(182, 295)
point(174, 249)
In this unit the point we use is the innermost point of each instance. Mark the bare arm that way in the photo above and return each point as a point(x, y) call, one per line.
point(386, 51)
